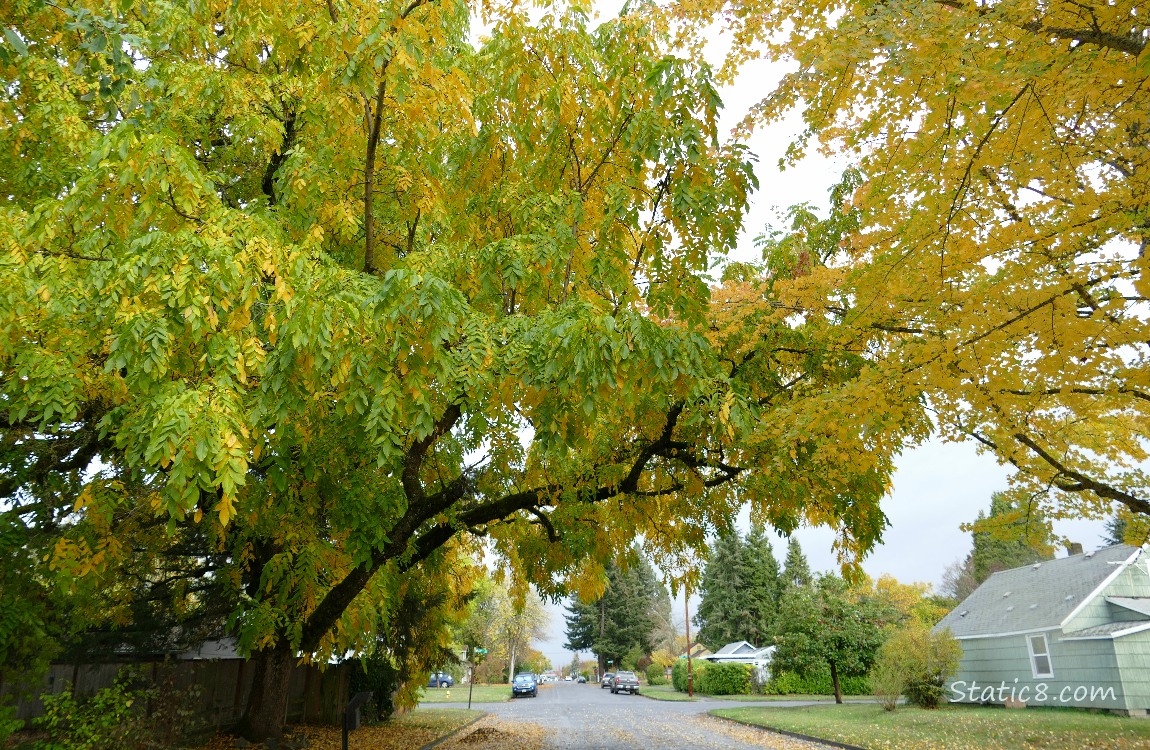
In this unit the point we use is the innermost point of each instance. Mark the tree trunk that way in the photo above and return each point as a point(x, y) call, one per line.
point(267, 703)
point(835, 682)
point(511, 665)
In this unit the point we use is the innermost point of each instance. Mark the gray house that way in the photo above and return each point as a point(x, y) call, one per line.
point(1068, 632)
point(742, 652)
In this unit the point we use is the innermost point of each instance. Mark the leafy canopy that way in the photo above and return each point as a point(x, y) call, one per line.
point(997, 226)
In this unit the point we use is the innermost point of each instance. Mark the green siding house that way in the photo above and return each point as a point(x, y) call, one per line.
point(1068, 632)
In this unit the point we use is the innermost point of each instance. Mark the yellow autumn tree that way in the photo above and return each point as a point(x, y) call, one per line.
point(995, 228)
point(301, 303)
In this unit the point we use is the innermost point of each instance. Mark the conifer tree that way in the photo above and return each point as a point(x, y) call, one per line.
point(760, 592)
point(622, 620)
point(796, 569)
point(720, 608)
point(1009, 537)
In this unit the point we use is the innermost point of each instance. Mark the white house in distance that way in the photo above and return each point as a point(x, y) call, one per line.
point(742, 652)
point(1068, 632)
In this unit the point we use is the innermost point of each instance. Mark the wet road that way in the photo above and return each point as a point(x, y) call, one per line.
point(570, 716)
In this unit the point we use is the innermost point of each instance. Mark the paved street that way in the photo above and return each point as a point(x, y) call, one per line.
point(569, 716)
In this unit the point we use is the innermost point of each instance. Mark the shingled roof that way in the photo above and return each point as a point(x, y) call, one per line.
point(1036, 597)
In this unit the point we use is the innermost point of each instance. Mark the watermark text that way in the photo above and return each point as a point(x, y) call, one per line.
point(976, 692)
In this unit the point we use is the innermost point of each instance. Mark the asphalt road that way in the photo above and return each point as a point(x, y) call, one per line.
point(570, 716)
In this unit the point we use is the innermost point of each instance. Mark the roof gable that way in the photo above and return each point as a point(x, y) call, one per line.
point(737, 648)
point(1043, 596)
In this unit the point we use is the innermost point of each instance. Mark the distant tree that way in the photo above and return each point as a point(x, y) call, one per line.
point(622, 620)
point(958, 580)
point(739, 590)
point(506, 623)
point(761, 592)
point(1115, 530)
point(796, 569)
point(824, 625)
point(1009, 537)
point(717, 617)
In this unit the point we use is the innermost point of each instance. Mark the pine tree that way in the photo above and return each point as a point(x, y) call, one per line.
point(739, 591)
point(719, 613)
point(760, 594)
point(622, 620)
point(796, 569)
point(1115, 530)
point(1009, 537)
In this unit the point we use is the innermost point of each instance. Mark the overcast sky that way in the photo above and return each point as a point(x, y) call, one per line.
point(936, 487)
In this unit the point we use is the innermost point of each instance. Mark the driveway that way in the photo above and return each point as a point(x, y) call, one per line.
point(570, 716)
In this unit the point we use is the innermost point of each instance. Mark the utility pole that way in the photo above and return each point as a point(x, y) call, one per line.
point(687, 623)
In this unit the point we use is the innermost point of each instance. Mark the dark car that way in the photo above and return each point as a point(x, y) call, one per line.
point(625, 682)
point(581, 680)
point(524, 684)
point(440, 679)
point(605, 681)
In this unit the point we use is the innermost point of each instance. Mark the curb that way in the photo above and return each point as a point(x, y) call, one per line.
point(795, 735)
point(453, 732)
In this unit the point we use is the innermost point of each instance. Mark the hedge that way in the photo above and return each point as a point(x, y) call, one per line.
point(815, 683)
point(725, 679)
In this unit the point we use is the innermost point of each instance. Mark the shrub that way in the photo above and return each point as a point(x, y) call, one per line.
point(112, 719)
point(815, 683)
point(917, 661)
point(8, 722)
point(655, 675)
point(785, 683)
point(725, 679)
point(887, 683)
point(679, 674)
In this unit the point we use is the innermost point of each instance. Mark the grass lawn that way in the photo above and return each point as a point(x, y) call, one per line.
point(458, 694)
point(663, 693)
point(953, 727)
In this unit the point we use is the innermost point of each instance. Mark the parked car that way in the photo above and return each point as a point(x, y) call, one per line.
point(581, 680)
point(625, 682)
point(605, 682)
point(440, 679)
point(524, 684)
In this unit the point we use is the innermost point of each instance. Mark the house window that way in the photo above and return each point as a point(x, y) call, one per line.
point(1039, 655)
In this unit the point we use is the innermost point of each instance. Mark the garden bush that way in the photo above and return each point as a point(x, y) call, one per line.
point(655, 675)
point(815, 683)
point(112, 719)
point(916, 662)
point(679, 674)
point(725, 679)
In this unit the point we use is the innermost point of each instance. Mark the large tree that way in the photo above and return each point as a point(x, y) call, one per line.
point(826, 624)
point(621, 621)
point(274, 275)
point(739, 590)
point(717, 616)
point(1009, 536)
point(997, 228)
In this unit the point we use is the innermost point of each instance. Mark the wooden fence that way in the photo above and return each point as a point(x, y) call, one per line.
point(216, 689)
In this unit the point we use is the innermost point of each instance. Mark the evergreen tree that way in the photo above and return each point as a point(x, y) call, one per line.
point(622, 621)
point(1009, 537)
point(760, 594)
point(796, 569)
point(739, 591)
point(1115, 530)
point(717, 617)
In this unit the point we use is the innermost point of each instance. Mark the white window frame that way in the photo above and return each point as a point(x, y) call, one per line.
point(1035, 655)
